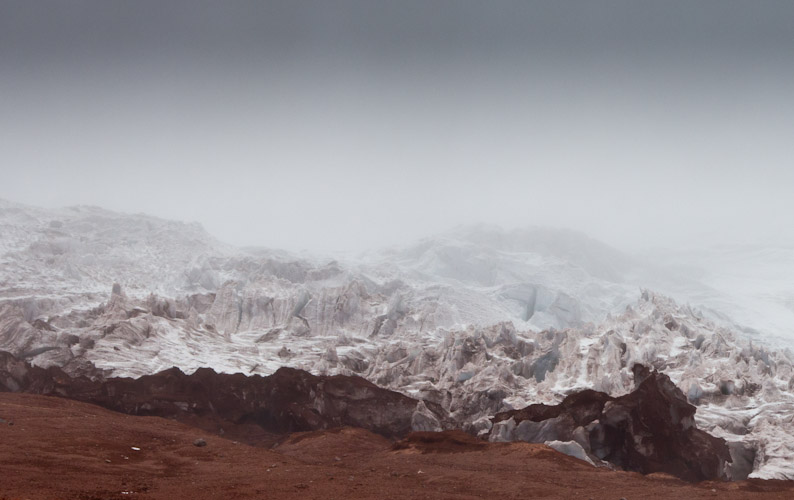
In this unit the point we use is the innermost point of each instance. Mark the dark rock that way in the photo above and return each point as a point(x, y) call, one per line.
point(649, 430)
point(288, 401)
point(641, 372)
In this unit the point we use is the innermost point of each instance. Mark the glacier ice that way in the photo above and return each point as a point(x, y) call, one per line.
point(478, 320)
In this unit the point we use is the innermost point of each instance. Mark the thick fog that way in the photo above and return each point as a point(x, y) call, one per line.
point(336, 125)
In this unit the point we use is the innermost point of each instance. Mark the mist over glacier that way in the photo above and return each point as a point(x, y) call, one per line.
point(348, 126)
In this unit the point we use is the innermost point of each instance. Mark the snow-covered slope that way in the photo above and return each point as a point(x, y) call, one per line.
point(538, 278)
point(752, 285)
point(479, 320)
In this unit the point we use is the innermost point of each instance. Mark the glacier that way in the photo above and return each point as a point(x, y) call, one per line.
point(479, 320)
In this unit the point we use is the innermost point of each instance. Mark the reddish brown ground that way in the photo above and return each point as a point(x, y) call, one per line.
point(62, 449)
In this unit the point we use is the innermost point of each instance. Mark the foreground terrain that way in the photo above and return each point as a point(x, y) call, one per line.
point(56, 448)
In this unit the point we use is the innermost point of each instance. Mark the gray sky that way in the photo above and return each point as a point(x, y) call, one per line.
point(346, 125)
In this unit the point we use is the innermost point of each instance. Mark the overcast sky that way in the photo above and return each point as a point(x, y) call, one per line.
point(353, 124)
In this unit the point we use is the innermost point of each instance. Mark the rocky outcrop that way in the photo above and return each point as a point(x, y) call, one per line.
point(651, 429)
point(290, 400)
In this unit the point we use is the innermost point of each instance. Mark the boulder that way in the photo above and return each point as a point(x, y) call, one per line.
point(651, 429)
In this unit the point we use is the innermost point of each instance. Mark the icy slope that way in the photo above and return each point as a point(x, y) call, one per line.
point(541, 278)
point(752, 285)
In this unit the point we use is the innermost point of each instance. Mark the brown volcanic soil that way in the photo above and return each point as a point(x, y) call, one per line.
point(58, 448)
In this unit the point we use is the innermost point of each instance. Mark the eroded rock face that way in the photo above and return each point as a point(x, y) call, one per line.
point(290, 400)
point(649, 430)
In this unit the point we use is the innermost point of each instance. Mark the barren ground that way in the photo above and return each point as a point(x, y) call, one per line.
point(52, 448)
